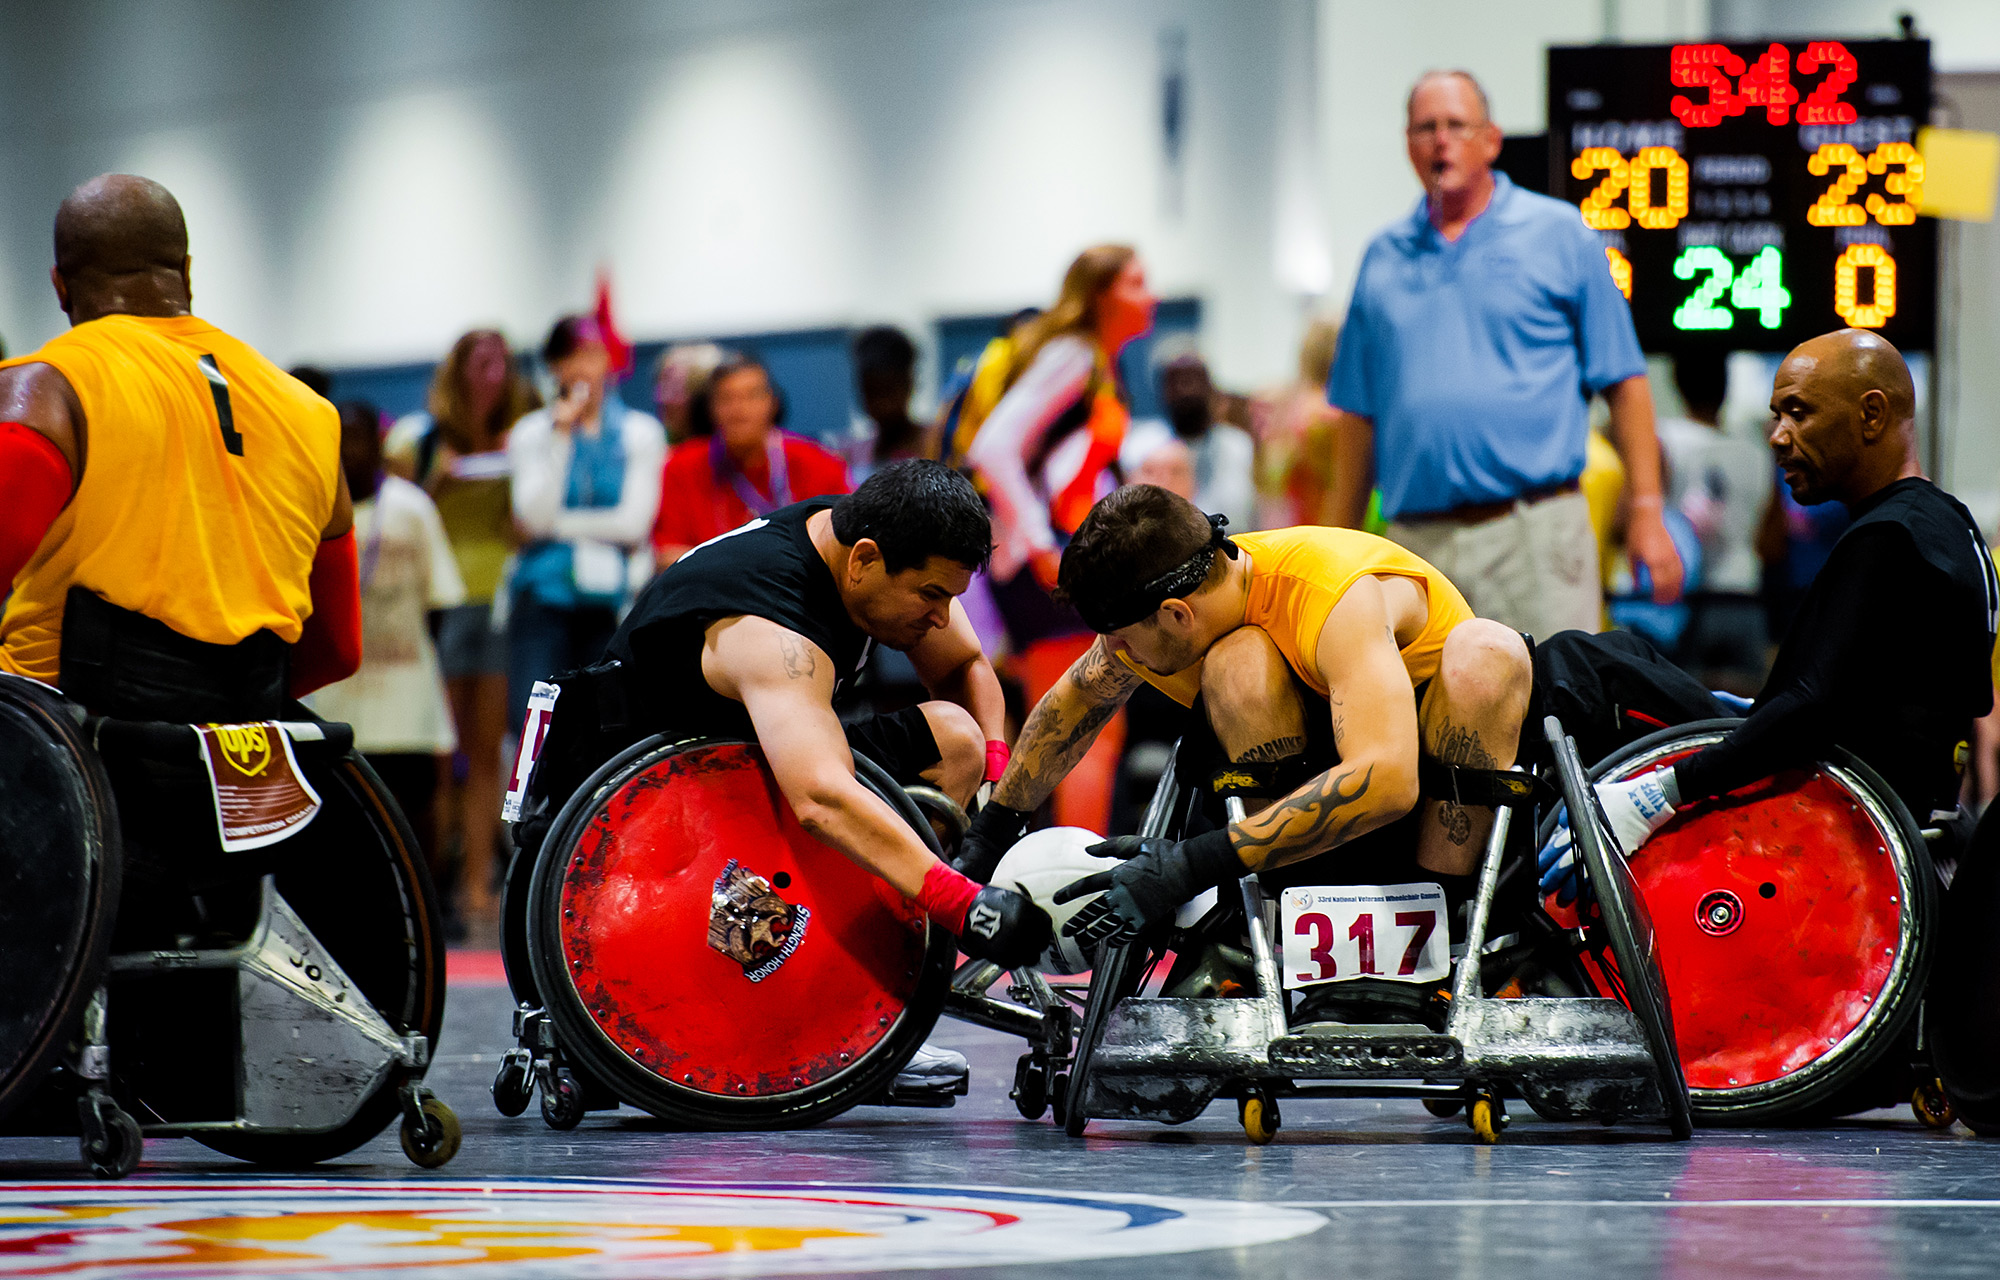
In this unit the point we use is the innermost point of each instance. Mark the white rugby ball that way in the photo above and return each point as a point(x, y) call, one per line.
point(1044, 862)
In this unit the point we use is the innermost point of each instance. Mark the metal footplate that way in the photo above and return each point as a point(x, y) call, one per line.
point(1335, 1051)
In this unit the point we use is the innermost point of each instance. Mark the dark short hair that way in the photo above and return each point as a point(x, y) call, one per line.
point(914, 510)
point(569, 333)
point(701, 405)
point(1130, 538)
point(317, 380)
point(883, 348)
point(1702, 378)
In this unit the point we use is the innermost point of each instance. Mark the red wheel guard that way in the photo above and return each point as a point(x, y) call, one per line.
point(720, 946)
point(1779, 916)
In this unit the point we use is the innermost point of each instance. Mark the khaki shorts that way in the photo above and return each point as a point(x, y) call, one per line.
point(1533, 568)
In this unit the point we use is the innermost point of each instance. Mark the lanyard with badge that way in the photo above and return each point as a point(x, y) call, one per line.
point(725, 469)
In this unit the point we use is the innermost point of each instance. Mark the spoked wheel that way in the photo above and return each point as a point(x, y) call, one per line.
point(60, 866)
point(710, 961)
point(1791, 919)
point(1626, 927)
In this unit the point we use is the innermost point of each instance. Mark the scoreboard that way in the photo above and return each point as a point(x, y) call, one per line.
point(1750, 196)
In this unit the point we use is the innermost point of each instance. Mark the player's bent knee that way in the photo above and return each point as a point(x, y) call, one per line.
point(1485, 663)
point(1243, 670)
point(961, 746)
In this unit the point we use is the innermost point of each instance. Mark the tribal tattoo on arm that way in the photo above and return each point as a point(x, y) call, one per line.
point(1327, 811)
point(1063, 725)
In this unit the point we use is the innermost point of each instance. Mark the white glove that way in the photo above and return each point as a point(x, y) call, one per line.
point(1639, 807)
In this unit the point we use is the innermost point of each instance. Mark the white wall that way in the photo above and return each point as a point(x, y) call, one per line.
point(1372, 52)
point(365, 180)
point(1965, 34)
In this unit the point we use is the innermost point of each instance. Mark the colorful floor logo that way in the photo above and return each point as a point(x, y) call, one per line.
point(607, 1229)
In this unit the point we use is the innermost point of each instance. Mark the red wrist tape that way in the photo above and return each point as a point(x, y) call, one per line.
point(947, 896)
point(997, 756)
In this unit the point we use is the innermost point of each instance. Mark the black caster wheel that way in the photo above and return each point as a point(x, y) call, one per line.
point(1487, 1116)
point(431, 1144)
point(514, 1083)
point(112, 1143)
point(1258, 1112)
point(1444, 1108)
point(1059, 1099)
point(1031, 1088)
point(562, 1102)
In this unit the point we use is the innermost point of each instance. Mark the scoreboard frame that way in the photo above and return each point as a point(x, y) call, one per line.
point(1751, 195)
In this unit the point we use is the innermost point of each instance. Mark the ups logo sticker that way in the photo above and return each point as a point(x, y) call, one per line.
point(247, 747)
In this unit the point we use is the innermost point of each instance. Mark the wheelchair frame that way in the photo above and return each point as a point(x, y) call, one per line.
point(313, 1051)
point(1165, 1058)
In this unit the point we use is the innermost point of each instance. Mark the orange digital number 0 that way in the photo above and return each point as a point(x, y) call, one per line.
point(1600, 211)
point(1639, 180)
point(1874, 313)
point(1909, 183)
point(1832, 209)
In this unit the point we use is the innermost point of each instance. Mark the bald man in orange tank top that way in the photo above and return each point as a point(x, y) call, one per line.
point(174, 523)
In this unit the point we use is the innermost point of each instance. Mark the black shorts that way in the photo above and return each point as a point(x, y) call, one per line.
point(900, 741)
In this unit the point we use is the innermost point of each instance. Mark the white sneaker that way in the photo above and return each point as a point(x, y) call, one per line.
point(934, 1070)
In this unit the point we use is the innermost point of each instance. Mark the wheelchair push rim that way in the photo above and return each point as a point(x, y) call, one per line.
point(711, 962)
point(60, 873)
point(1791, 927)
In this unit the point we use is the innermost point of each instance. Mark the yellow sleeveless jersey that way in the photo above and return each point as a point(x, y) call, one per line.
point(209, 474)
point(1298, 575)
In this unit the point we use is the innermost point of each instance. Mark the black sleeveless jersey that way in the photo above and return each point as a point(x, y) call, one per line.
point(767, 568)
point(1890, 655)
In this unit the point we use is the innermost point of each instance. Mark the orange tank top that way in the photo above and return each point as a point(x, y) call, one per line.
point(1298, 575)
point(209, 475)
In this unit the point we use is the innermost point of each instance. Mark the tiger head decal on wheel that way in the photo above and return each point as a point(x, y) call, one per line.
point(751, 924)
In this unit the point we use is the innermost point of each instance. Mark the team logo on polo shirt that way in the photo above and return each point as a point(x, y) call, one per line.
point(604, 1230)
point(751, 924)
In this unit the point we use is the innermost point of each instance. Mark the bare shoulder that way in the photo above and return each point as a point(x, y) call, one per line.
point(746, 649)
point(38, 397)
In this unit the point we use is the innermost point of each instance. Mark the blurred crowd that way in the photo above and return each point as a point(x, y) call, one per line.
point(505, 527)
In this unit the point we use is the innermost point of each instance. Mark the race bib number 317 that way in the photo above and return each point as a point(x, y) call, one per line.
point(1333, 933)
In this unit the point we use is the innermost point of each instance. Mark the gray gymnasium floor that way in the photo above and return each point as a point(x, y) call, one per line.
point(1348, 1189)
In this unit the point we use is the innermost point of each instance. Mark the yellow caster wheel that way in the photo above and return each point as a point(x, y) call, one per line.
point(1488, 1116)
point(1931, 1105)
point(433, 1143)
point(1258, 1113)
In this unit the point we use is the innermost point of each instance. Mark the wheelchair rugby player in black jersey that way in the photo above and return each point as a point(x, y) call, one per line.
point(759, 634)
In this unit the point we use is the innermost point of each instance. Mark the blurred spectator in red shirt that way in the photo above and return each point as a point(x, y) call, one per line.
point(738, 465)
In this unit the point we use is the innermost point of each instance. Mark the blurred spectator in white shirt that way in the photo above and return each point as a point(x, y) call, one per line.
point(396, 701)
point(1223, 456)
point(1722, 484)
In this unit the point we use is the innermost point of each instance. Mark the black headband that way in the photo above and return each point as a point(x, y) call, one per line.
point(1141, 602)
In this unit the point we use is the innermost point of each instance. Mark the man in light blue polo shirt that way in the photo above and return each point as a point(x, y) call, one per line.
point(1480, 328)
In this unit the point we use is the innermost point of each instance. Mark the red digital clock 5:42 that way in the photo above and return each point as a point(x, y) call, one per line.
point(1752, 195)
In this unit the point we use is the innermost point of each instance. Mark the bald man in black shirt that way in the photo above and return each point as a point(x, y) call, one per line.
point(1891, 653)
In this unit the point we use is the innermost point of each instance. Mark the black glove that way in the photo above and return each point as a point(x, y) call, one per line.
point(994, 830)
point(1006, 927)
point(1157, 876)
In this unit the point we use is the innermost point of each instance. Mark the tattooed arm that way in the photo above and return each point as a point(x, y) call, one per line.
point(786, 684)
point(1064, 724)
point(1374, 728)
